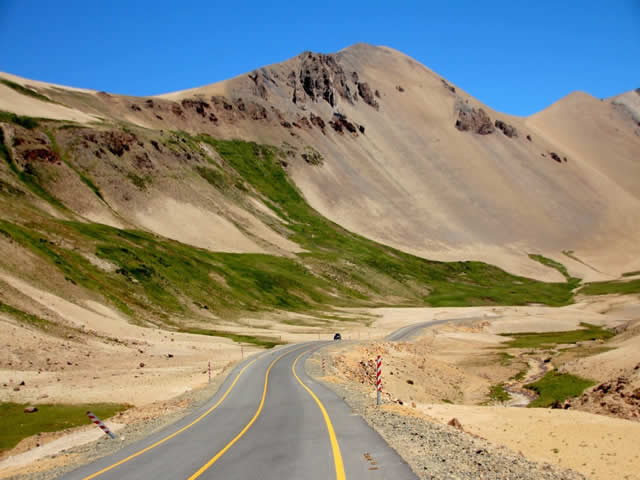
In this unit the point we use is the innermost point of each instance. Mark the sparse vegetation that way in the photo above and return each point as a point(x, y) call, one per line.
point(505, 358)
point(27, 122)
point(25, 91)
point(65, 158)
point(556, 387)
point(549, 339)
point(265, 342)
point(16, 425)
point(28, 176)
point(25, 317)
point(497, 393)
point(140, 183)
point(631, 274)
point(556, 265)
point(611, 287)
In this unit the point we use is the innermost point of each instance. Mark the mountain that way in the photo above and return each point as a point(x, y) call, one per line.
point(354, 167)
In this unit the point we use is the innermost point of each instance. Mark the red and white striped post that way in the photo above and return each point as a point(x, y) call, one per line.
point(323, 368)
point(209, 371)
point(379, 379)
point(101, 425)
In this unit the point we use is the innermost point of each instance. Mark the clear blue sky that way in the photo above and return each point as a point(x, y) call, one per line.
point(516, 56)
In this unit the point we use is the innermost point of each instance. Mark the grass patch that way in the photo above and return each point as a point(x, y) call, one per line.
point(548, 262)
point(264, 342)
point(25, 317)
point(215, 177)
point(557, 387)
point(549, 339)
point(25, 91)
point(27, 122)
point(16, 425)
point(497, 393)
point(611, 287)
point(505, 358)
point(631, 274)
point(519, 376)
point(140, 183)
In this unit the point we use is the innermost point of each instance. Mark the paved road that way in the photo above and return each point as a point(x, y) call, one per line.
point(269, 420)
point(406, 333)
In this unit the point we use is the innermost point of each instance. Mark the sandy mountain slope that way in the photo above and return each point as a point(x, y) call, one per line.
point(385, 147)
point(415, 181)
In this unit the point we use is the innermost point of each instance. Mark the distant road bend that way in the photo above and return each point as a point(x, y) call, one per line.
point(268, 420)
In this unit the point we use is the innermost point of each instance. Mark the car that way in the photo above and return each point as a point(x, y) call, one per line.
point(337, 336)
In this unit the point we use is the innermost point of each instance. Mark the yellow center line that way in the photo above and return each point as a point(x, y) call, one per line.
point(248, 425)
point(335, 447)
point(169, 437)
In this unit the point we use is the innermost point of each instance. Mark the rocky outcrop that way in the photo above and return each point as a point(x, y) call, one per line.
point(367, 95)
point(45, 155)
point(476, 121)
point(446, 85)
point(557, 158)
point(197, 105)
point(312, 157)
point(509, 130)
point(617, 398)
point(320, 78)
point(340, 124)
point(258, 79)
point(318, 122)
point(118, 142)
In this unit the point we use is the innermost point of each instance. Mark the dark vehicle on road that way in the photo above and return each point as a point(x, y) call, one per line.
point(337, 336)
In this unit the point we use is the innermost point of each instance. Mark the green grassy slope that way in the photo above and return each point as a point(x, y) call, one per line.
point(159, 279)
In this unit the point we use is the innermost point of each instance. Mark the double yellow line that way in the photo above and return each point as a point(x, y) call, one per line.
point(337, 457)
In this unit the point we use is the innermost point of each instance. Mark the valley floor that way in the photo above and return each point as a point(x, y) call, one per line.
point(446, 372)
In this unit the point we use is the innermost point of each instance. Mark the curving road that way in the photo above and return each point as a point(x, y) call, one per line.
point(269, 420)
point(409, 331)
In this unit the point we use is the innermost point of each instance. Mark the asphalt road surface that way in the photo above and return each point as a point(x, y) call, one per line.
point(406, 333)
point(269, 420)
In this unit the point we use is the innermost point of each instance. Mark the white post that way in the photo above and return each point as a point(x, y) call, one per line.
point(379, 380)
point(100, 425)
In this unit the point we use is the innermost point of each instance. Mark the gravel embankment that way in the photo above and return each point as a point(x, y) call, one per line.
point(436, 451)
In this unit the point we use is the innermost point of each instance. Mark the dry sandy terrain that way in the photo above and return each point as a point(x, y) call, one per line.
point(601, 448)
point(103, 359)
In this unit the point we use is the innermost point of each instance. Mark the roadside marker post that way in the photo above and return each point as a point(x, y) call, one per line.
point(209, 371)
point(379, 380)
point(323, 368)
point(101, 425)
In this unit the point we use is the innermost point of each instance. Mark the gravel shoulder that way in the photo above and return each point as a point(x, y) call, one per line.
point(433, 450)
